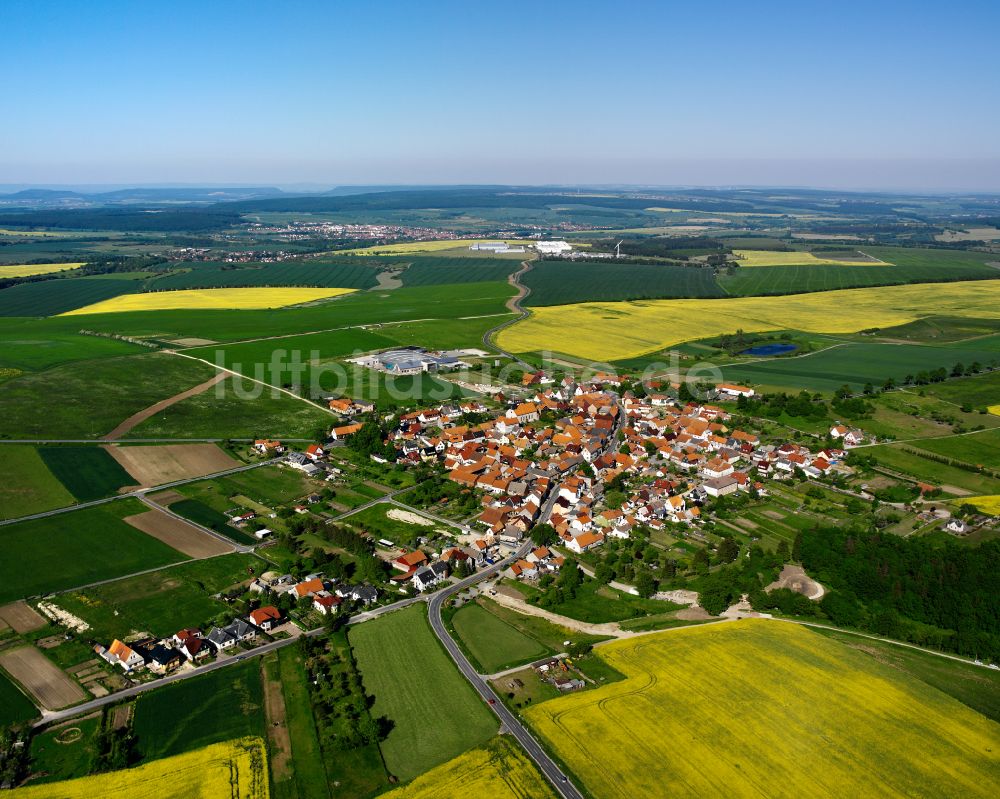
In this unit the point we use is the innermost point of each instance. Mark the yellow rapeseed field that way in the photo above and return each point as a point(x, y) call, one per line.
point(778, 258)
point(208, 299)
point(607, 331)
point(413, 247)
point(498, 770)
point(765, 708)
point(220, 771)
point(30, 270)
point(987, 504)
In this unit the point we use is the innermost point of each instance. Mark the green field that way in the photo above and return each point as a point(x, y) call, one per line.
point(87, 472)
point(367, 307)
point(347, 273)
point(376, 522)
point(254, 358)
point(978, 449)
point(53, 758)
point(89, 399)
point(269, 485)
point(15, 707)
point(895, 457)
point(448, 270)
point(28, 346)
point(187, 715)
point(202, 514)
point(26, 484)
point(909, 265)
point(496, 646)
point(163, 602)
point(597, 603)
point(308, 774)
point(237, 413)
point(854, 364)
point(562, 282)
point(76, 548)
point(436, 713)
point(444, 334)
point(981, 391)
point(50, 297)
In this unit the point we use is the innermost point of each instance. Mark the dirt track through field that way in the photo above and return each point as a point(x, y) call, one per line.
point(178, 534)
point(49, 685)
point(158, 464)
point(277, 729)
point(137, 418)
point(22, 617)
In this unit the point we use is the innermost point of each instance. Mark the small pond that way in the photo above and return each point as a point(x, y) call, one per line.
point(771, 349)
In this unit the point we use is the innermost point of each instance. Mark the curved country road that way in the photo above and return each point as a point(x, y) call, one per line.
point(544, 763)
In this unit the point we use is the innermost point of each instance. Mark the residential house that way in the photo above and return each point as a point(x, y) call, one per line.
point(267, 617)
point(326, 603)
point(163, 659)
point(120, 654)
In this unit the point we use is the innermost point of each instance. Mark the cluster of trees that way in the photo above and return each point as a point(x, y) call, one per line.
point(372, 439)
point(719, 589)
point(114, 749)
point(556, 590)
point(339, 702)
point(913, 589)
point(14, 757)
point(366, 567)
point(435, 488)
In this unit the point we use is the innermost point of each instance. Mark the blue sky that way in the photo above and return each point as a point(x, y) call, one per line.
point(873, 94)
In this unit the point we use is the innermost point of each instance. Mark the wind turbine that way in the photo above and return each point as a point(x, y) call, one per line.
point(618, 248)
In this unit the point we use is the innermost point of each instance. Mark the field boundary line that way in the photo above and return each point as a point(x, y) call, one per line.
point(227, 370)
point(140, 416)
point(138, 493)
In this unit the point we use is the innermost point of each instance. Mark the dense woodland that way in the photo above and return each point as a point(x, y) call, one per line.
point(909, 588)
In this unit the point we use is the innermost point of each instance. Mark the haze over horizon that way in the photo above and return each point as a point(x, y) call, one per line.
point(856, 96)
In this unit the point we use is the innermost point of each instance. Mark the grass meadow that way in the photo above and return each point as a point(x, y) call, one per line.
point(163, 602)
point(854, 364)
point(56, 757)
point(89, 399)
point(884, 731)
point(235, 415)
point(76, 548)
point(494, 644)
point(437, 715)
point(27, 345)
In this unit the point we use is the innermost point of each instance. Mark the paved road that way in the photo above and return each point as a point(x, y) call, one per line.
point(544, 763)
point(140, 492)
point(177, 676)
